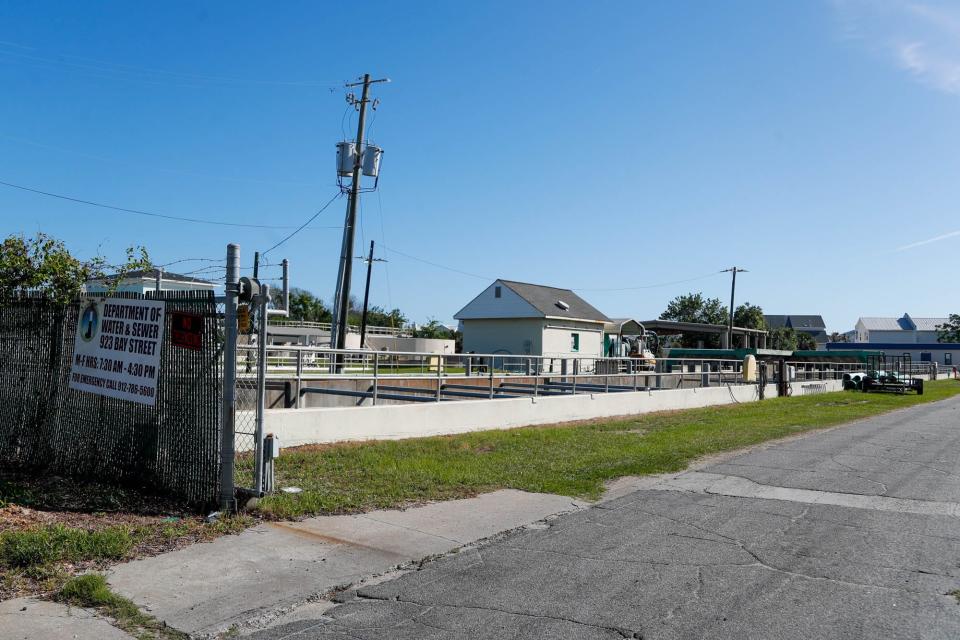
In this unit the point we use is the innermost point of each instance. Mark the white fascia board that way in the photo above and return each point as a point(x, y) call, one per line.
point(562, 318)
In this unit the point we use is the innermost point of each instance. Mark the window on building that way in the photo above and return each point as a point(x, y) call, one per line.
point(948, 358)
point(574, 342)
point(926, 356)
point(496, 292)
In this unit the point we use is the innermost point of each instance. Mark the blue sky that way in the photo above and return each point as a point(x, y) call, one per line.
point(608, 147)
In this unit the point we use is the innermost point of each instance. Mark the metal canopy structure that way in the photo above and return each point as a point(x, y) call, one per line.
point(755, 338)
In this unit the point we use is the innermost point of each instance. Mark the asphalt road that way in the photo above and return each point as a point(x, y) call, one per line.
point(850, 533)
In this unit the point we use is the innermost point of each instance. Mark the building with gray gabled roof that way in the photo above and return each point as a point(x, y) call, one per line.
point(809, 324)
point(519, 318)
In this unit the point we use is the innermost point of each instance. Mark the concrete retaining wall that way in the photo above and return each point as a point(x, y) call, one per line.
point(336, 424)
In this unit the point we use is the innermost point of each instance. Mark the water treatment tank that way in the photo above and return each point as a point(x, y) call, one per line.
point(371, 160)
point(346, 156)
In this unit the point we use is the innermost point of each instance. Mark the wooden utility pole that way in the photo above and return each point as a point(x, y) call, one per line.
point(366, 295)
point(338, 329)
point(733, 292)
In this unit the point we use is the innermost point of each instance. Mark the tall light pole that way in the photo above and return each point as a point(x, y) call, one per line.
point(341, 303)
point(733, 293)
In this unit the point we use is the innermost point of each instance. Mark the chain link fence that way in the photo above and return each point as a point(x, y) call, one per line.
point(47, 427)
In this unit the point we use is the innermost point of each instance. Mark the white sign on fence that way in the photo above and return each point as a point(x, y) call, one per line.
point(117, 349)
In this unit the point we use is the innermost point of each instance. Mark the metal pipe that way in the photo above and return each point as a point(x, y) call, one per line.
point(227, 453)
point(376, 377)
point(299, 375)
point(264, 298)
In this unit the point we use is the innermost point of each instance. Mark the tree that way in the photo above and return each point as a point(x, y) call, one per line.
point(749, 316)
point(433, 329)
point(305, 306)
point(784, 339)
point(693, 307)
point(837, 337)
point(949, 331)
point(44, 264)
point(379, 317)
point(806, 342)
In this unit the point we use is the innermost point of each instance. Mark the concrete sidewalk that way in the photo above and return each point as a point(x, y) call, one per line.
point(253, 578)
point(32, 619)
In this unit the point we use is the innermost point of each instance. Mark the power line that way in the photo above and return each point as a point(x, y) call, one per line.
point(436, 264)
point(167, 264)
point(151, 214)
point(653, 286)
point(303, 226)
point(475, 275)
point(156, 76)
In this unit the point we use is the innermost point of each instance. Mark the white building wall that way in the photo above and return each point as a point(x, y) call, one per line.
point(420, 345)
point(515, 336)
point(557, 338)
point(897, 337)
point(488, 305)
point(943, 357)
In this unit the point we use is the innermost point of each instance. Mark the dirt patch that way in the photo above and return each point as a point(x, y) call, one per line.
point(144, 524)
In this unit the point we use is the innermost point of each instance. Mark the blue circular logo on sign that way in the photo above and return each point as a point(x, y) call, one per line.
point(88, 322)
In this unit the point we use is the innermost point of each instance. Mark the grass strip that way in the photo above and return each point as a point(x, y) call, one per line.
point(572, 459)
point(91, 591)
point(33, 549)
point(38, 559)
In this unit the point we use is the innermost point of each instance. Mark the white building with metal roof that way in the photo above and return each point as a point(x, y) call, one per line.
point(518, 318)
point(904, 330)
point(148, 280)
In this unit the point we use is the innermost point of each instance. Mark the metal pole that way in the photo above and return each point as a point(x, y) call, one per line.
point(338, 333)
point(733, 291)
point(299, 375)
point(366, 298)
point(261, 389)
point(439, 369)
point(491, 377)
point(256, 265)
point(159, 284)
point(286, 286)
point(227, 494)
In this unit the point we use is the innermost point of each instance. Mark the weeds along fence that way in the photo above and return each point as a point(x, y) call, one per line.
point(47, 427)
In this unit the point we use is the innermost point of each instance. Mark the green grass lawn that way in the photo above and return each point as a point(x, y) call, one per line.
point(573, 460)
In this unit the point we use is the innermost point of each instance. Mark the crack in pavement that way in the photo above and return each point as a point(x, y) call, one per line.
point(766, 565)
point(624, 633)
point(855, 472)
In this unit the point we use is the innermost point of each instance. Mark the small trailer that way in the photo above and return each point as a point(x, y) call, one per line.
point(890, 374)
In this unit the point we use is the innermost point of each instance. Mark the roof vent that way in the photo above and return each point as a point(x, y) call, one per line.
point(563, 305)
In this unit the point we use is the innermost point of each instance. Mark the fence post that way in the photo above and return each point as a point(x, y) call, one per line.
point(258, 467)
point(376, 377)
point(491, 377)
point(299, 376)
point(536, 378)
point(439, 375)
point(227, 490)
